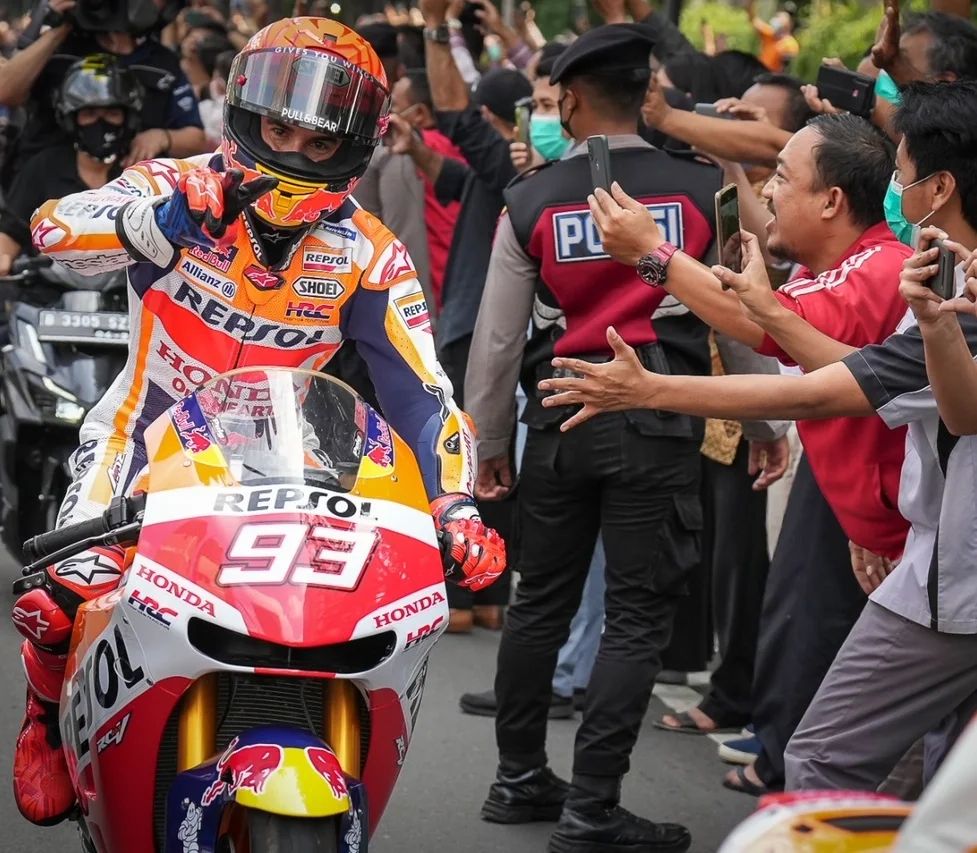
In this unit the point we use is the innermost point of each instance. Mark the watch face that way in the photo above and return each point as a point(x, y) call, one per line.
point(651, 270)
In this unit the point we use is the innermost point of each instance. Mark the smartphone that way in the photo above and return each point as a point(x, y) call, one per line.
point(524, 112)
point(710, 111)
point(728, 228)
point(600, 162)
point(847, 90)
point(943, 284)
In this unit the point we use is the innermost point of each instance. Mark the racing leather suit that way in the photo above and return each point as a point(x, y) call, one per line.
point(196, 313)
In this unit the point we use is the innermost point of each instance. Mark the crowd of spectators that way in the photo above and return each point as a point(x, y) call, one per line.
point(844, 645)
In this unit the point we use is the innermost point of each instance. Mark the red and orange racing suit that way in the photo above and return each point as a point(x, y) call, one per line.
point(208, 311)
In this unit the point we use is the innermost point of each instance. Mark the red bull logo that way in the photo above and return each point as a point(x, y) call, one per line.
point(191, 426)
point(244, 767)
point(325, 763)
point(379, 445)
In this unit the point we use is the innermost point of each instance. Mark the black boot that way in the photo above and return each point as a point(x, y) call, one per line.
point(486, 705)
point(525, 796)
point(593, 822)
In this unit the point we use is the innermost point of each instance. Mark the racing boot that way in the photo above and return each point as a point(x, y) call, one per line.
point(593, 822)
point(42, 785)
point(524, 795)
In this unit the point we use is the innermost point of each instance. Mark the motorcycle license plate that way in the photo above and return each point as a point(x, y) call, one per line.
point(110, 327)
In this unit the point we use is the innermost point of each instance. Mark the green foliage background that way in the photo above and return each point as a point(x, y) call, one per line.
point(842, 28)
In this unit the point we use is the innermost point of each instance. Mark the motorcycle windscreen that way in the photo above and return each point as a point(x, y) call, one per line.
point(277, 427)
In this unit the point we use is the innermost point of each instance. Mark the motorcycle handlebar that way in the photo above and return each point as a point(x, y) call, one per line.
point(122, 517)
point(25, 264)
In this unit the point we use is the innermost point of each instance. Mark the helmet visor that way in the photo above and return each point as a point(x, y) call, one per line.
point(311, 89)
point(97, 81)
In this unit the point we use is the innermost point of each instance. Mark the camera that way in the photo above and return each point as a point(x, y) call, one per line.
point(105, 16)
point(120, 16)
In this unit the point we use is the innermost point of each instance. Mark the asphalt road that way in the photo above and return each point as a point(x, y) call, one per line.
point(450, 766)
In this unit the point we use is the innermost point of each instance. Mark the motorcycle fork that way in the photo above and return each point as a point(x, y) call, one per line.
point(343, 724)
point(197, 733)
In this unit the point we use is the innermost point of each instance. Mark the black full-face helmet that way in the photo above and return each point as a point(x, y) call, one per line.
point(100, 81)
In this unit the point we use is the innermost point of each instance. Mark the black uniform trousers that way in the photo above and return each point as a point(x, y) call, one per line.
point(734, 548)
point(642, 493)
point(811, 603)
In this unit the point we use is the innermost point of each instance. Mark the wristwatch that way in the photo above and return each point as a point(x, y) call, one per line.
point(653, 267)
point(440, 34)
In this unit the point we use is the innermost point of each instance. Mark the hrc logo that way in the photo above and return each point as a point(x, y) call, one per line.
point(576, 239)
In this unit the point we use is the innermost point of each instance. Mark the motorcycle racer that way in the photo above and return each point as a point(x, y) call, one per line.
point(252, 256)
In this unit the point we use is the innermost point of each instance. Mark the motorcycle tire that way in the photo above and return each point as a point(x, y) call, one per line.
point(271, 833)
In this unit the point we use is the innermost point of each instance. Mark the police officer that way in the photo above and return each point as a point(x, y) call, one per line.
point(633, 476)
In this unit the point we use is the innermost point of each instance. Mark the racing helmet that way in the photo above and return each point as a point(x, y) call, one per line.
point(100, 81)
point(312, 73)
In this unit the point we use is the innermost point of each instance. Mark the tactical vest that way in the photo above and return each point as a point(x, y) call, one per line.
point(580, 291)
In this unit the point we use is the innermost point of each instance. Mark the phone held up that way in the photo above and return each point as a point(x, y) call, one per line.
point(728, 236)
point(524, 112)
point(847, 90)
point(600, 162)
point(943, 284)
point(710, 111)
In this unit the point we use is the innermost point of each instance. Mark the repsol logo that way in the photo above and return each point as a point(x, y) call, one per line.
point(396, 614)
point(286, 498)
point(576, 238)
point(219, 315)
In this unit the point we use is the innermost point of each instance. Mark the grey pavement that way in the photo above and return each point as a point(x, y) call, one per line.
point(449, 767)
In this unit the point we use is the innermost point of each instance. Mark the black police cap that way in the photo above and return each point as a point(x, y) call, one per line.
point(621, 49)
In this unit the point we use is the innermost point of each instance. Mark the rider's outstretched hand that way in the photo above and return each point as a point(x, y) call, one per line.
point(205, 206)
point(474, 555)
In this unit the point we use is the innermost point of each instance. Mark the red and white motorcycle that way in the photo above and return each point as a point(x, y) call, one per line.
point(253, 683)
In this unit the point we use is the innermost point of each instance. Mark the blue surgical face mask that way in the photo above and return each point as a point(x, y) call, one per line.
point(906, 232)
point(546, 136)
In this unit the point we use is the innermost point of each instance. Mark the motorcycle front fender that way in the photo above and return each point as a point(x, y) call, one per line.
point(277, 770)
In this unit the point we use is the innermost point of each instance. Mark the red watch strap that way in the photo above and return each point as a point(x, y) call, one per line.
point(664, 252)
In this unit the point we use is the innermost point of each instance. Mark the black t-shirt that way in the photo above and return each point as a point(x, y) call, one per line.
point(49, 174)
point(169, 101)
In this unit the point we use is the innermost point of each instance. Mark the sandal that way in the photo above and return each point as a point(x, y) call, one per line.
point(744, 785)
point(688, 726)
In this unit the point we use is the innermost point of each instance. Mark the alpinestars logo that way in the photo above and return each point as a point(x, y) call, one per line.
point(262, 279)
point(88, 568)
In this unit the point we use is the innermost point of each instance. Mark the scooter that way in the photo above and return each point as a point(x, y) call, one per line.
point(253, 683)
point(68, 339)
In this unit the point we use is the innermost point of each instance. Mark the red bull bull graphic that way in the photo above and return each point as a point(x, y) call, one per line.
point(325, 763)
point(244, 767)
point(191, 426)
point(379, 445)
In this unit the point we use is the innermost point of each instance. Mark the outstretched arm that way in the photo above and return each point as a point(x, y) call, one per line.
point(624, 384)
point(17, 76)
point(747, 311)
point(81, 230)
point(740, 141)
